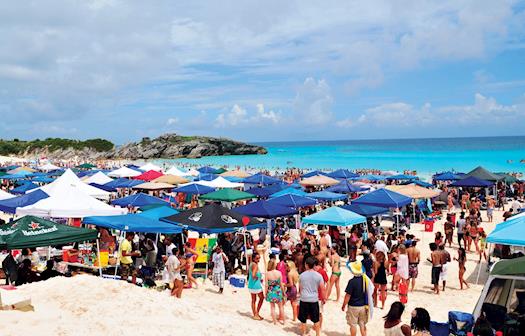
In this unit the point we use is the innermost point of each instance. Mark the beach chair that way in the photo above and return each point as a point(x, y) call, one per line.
point(439, 328)
point(460, 323)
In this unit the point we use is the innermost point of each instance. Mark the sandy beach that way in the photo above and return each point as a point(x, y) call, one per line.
point(89, 305)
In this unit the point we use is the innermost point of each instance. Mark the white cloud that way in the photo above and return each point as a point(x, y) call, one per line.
point(484, 110)
point(238, 116)
point(313, 102)
point(263, 115)
point(172, 121)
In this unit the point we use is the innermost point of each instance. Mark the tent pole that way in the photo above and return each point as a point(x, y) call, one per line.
point(346, 242)
point(245, 252)
point(48, 252)
point(118, 253)
point(99, 261)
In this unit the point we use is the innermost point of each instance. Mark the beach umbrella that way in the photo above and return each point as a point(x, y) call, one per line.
point(314, 173)
point(472, 181)
point(342, 174)
point(319, 180)
point(138, 200)
point(24, 187)
point(235, 173)
point(365, 210)
point(263, 209)
point(171, 179)
point(227, 195)
point(483, 174)
point(289, 190)
point(326, 196)
point(148, 175)
point(213, 218)
point(414, 191)
point(261, 179)
point(194, 189)
point(9, 205)
point(345, 187)
point(293, 201)
point(31, 231)
point(383, 198)
point(207, 170)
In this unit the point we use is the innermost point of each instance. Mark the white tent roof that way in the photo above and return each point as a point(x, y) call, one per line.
point(176, 171)
point(69, 180)
point(124, 172)
point(5, 195)
point(70, 203)
point(192, 172)
point(48, 167)
point(98, 178)
point(220, 182)
point(150, 166)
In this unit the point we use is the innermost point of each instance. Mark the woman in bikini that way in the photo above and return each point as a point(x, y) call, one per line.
point(291, 292)
point(380, 280)
point(462, 259)
point(190, 255)
point(393, 266)
point(335, 263)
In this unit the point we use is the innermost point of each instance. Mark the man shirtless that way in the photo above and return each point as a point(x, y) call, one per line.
point(413, 262)
point(436, 259)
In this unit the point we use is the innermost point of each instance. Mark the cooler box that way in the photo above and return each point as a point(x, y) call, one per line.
point(69, 255)
point(429, 225)
point(237, 281)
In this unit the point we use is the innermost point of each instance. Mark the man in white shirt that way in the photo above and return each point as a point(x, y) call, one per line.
point(516, 206)
point(169, 246)
point(219, 258)
point(173, 266)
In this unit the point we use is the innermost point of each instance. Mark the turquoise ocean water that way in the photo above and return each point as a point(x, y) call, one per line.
point(426, 156)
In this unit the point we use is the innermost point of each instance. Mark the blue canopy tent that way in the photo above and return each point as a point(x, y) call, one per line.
point(365, 210)
point(419, 183)
point(264, 209)
point(401, 177)
point(206, 177)
point(138, 200)
point(21, 175)
point(147, 221)
point(207, 170)
point(24, 187)
point(326, 196)
point(510, 232)
point(314, 173)
point(296, 185)
point(345, 187)
point(103, 187)
point(335, 216)
point(43, 179)
point(372, 177)
point(292, 201)
point(266, 191)
point(122, 183)
point(194, 189)
point(289, 190)
point(342, 174)
point(383, 198)
point(447, 176)
point(261, 179)
point(234, 179)
point(471, 181)
point(9, 205)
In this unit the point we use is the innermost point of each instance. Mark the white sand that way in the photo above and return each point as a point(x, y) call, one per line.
point(87, 305)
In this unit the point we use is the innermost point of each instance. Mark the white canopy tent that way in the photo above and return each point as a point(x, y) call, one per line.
point(70, 203)
point(5, 195)
point(69, 180)
point(150, 166)
point(48, 167)
point(98, 178)
point(124, 172)
point(176, 171)
point(220, 182)
point(192, 172)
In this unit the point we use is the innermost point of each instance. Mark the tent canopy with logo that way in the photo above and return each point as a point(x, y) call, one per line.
point(31, 231)
point(213, 218)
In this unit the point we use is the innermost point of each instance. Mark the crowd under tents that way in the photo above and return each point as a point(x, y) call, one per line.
point(69, 203)
point(48, 167)
point(124, 172)
point(138, 200)
point(472, 181)
point(314, 173)
point(213, 218)
point(11, 204)
point(293, 201)
point(418, 183)
point(146, 221)
point(31, 231)
point(228, 195)
point(401, 177)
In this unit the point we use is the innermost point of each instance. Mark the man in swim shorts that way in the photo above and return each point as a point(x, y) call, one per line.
point(413, 263)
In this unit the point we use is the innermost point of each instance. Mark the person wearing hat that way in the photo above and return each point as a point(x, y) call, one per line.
point(357, 298)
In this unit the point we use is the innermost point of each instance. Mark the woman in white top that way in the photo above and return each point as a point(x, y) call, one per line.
point(393, 325)
point(402, 264)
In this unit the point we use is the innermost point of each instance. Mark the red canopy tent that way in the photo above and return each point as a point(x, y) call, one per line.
point(149, 175)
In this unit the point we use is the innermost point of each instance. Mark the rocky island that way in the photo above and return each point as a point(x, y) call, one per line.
point(167, 146)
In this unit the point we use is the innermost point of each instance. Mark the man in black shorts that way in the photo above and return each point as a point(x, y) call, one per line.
point(311, 289)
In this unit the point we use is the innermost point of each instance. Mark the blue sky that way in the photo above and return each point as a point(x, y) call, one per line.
point(262, 71)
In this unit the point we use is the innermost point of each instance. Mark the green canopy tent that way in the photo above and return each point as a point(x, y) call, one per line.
point(508, 179)
point(86, 166)
point(227, 195)
point(220, 171)
point(31, 231)
point(509, 267)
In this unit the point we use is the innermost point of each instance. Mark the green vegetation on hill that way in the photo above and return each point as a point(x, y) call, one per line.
point(16, 146)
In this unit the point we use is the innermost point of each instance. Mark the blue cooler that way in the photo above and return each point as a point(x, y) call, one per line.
point(238, 281)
